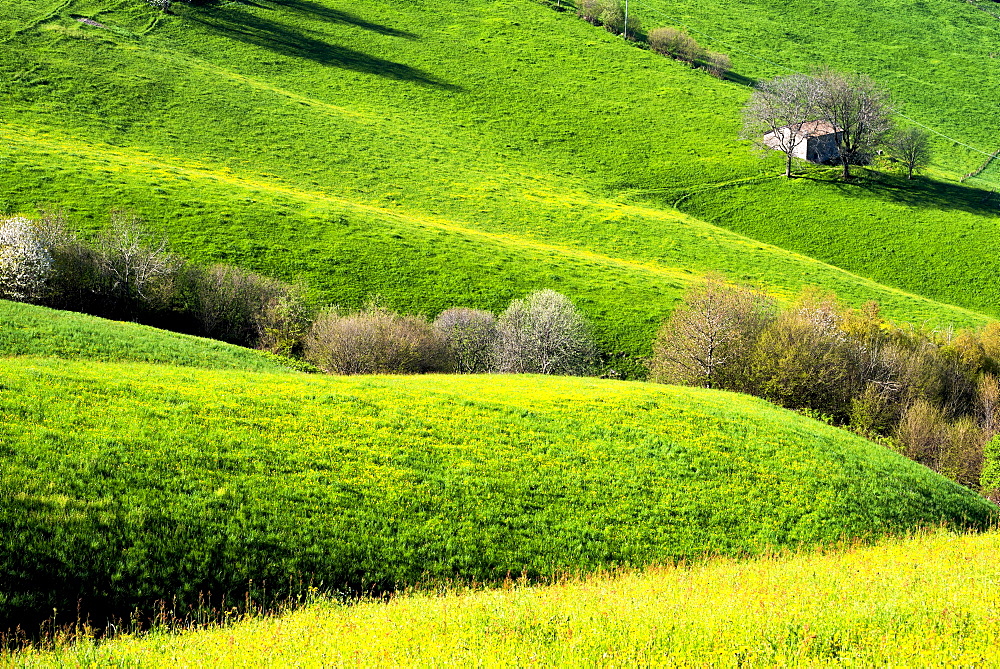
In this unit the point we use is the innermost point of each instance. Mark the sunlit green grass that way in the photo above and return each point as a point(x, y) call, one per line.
point(939, 59)
point(440, 153)
point(27, 330)
point(935, 240)
point(125, 484)
point(925, 601)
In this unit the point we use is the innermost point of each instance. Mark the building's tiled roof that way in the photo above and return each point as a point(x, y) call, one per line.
point(816, 128)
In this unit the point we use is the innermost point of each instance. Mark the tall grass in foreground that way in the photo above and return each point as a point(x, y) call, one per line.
point(929, 600)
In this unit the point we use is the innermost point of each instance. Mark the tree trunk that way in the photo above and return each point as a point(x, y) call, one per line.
point(788, 164)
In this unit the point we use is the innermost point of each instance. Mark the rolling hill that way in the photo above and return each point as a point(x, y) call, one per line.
point(125, 484)
point(443, 153)
point(27, 330)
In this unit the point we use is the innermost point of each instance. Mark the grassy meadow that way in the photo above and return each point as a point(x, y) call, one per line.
point(452, 153)
point(438, 153)
point(124, 484)
point(939, 59)
point(930, 600)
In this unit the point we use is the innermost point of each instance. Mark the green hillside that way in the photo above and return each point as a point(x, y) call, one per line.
point(442, 153)
point(938, 58)
point(941, 61)
point(123, 484)
point(27, 330)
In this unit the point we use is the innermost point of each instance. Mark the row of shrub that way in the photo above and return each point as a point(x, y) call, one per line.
point(933, 395)
point(678, 45)
point(541, 334)
point(127, 273)
point(670, 42)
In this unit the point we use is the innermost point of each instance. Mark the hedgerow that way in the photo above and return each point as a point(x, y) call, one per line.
point(935, 394)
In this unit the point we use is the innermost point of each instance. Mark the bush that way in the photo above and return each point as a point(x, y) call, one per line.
point(803, 360)
point(989, 477)
point(613, 18)
point(590, 10)
point(376, 341)
point(25, 263)
point(716, 64)
point(245, 308)
point(675, 44)
point(935, 394)
point(472, 336)
point(284, 321)
point(706, 341)
point(77, 281)
point(544, 334)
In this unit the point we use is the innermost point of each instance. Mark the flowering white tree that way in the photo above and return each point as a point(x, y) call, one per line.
point(544, 334)
point(25, 263)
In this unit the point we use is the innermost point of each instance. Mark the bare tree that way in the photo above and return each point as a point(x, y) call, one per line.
point(472, 336)
point(134, 260)
point(706, 340)
point(543, 334)
point(781, 114)
point(988, 392)
point(911, 147)
point(859, 111)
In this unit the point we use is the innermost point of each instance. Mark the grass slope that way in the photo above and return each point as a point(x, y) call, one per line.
point(27, 330)
point(124, 484)
point(925, 601)
point(939, 59)
point(435, 153)
point(941, 62)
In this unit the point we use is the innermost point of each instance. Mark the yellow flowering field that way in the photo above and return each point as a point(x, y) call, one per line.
point(929, 600)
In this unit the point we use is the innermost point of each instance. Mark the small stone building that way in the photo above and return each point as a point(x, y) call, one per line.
point(818, 146)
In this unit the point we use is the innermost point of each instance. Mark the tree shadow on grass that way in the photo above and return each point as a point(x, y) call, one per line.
point(250, 29)
point(921, 192)
point(338, 16)
point(740, 79)
point(316, 10)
